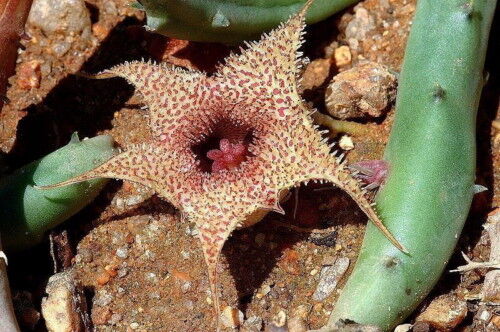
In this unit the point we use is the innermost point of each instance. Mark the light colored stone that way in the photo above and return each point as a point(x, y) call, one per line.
point(65, 16)
point(280, 319)
point(346, 143)
point(329, 277)
point(491, 287)
point(342, 56)
point(493, 228)
point(403, 328)
point(60, 308)
point(122, 252)
point(231, 317)
point(360, 25)
point(252, 324)
point(297, 320)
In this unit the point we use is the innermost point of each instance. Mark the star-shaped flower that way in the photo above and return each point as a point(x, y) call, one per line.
point(226, 147)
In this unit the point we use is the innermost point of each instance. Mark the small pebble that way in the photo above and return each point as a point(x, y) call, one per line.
point(421, 327)
point(186, 287)
point(329, 277)
point(346, 143)
point(403, 328)
point(100, 315)
point(273, 328)
point(491, 287)
point(231, 317)
point(111, 270)
point(252, 324)
point(102, 299)
point(29, 75)
point(100, 30)
point(264, 291)
point(360, 25)
point(342, 56)
point(297, 320)
point(280, 319)
point(115, 319)
point(61, 47)
point(122, 272)
point(122, 252)
point(103, 279)
point(191, 230)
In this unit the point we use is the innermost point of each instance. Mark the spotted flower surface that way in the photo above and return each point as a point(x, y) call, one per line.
point(226, 147)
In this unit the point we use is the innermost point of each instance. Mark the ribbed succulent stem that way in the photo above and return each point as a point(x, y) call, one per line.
point(229, 21)
point(432, 157)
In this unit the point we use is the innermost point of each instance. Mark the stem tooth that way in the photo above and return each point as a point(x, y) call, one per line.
point(438, 93)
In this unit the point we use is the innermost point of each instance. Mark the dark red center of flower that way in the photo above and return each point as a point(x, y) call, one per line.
point(228, 156)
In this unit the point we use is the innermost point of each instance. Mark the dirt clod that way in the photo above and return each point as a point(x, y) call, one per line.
point(444, 313)
point(29, 75)
point(367, 89)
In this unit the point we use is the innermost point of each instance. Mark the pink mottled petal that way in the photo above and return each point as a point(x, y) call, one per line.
point(165, 115)
point(239, 149)
point(229, 158)
point(225, 145)
point(218, 165)
point(215, 154)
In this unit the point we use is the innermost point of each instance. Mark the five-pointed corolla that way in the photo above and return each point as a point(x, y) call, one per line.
point(226, 147)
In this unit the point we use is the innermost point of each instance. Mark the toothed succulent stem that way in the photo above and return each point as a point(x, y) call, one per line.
point(27, 212)
point(229, 21)
point(431, 153)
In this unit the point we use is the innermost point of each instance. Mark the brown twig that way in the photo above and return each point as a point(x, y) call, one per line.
point(13, 14)
point(340, 126)
point(8, 321)
point(471, 265)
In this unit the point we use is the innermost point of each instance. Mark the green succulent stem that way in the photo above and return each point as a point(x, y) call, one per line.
point(432, 157)
point(229, 21)
point(27, 212)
